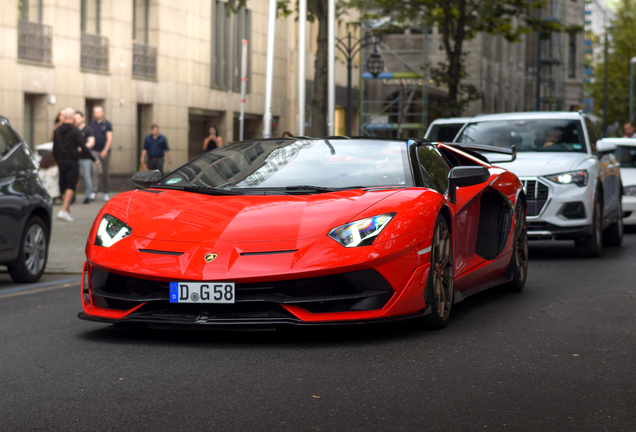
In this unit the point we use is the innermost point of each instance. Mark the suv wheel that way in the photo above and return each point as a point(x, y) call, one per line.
point(34, 249)
point(592, 246)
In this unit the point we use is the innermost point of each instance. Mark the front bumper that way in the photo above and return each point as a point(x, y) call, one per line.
point(367, 284)
point(629, 209)
point(553, 218)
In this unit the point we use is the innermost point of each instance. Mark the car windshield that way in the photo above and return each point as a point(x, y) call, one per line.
point(318, 165)
point(626, 155)
point(540, 135)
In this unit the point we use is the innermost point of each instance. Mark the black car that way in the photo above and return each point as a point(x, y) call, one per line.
point(25, 209)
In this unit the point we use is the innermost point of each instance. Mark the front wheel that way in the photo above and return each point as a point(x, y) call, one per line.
point(519, 262)
point(439, 286)
point(613, 235)
point(592, 246)
point(34, 249)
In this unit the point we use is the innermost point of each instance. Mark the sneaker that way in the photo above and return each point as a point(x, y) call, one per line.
point(106, 197)
point(87, 200)
point(64, 215)
point(93, 196)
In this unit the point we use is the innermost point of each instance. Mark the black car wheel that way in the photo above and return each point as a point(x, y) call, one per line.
point(592, 246)
point(613, 235)
point(519, 261)
point(439, 286)
point(34, 248)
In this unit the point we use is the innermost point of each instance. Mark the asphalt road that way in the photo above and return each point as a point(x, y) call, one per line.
point(560, 356)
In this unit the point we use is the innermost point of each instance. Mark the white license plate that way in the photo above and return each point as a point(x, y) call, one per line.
point(202, 292)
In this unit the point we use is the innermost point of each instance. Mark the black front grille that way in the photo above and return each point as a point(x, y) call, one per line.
point(574, 210)
point(352, 291)
point(537, 195)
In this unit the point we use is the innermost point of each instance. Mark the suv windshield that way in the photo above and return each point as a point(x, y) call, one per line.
point(316, 164)
point(540, 135)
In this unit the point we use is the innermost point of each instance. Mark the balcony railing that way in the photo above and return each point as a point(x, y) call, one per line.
point(34, 41)
point(144, 60)
point(94, 52)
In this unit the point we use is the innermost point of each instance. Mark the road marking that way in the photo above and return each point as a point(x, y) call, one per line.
point(39, 287)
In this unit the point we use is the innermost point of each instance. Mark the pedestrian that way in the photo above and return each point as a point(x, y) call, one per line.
point(628, 128)
point(68, 142)
point(213, 140)
point(87, 162)
point(155, 145)
point(103, 131)
point(287, 134)
point(57, 121)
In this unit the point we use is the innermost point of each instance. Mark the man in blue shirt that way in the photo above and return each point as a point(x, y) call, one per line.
point(103, 131)
point(155, 145)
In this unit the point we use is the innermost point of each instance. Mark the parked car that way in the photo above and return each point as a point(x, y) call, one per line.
point(307, 231)
point(445, 129)
point(626, 156)
point(571, 179)
point(25, 209)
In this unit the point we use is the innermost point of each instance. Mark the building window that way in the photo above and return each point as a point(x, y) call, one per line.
point(30, 10)
point(90, 15)
point(242, 30)
point(140, 21)
point(221, 46)
point(227, 35)
point(572, 56)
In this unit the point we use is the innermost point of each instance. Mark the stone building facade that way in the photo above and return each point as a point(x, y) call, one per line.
point(175, 63)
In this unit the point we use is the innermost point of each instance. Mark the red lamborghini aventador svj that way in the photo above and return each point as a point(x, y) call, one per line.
point(308, 231)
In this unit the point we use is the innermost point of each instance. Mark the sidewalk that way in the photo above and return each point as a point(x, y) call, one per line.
point(68, 239)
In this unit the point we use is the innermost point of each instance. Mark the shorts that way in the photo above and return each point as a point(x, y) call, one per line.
point(69, 174)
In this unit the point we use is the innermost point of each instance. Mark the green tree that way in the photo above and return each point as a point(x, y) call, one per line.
point(621, 49)
point(459, 21)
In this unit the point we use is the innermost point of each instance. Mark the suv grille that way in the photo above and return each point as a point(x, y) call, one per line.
point(537, 195)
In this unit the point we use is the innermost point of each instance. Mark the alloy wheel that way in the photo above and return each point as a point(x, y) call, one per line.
point(35, 249)
point(442, 271)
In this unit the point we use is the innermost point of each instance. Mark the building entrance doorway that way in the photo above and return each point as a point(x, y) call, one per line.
point(199, 122)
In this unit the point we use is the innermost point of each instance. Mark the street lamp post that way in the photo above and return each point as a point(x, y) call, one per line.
point(350, 47)
point(631, 89)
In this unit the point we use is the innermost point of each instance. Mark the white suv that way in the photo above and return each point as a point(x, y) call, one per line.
point(572, 183)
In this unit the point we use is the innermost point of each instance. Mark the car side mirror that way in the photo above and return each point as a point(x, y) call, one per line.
point(463, 176)
point(143, 179)
point(604, 147)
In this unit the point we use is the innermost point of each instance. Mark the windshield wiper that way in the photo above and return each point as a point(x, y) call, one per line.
point(320, 189)
point(199, 189)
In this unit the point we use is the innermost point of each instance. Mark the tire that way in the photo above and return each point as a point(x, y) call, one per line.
point(439, 285)
point(34, 251)
point(613, 235)
point(592, 246)
point(519, 261)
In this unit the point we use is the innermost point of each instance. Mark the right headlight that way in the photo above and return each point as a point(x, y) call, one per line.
point(629, 190)
point(578, 178)
point(362, 232)
point(110, 231)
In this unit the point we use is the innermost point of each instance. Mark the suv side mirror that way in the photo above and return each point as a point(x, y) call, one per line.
point(463, 176)
point(144, 179)
point(604, 147)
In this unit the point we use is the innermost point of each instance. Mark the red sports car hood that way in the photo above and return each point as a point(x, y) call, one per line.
point(192, 217)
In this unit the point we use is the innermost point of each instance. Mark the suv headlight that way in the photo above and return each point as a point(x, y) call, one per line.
point(110, 231)
point(578, 178)
point(629, 190)
point(362, 232)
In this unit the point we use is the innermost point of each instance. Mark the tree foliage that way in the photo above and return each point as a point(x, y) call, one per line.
point(621, 49)
point(459, 21)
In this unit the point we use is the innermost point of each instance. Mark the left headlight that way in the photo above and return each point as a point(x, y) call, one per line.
point(362, 232)
point(110, 231)
point(578, 178)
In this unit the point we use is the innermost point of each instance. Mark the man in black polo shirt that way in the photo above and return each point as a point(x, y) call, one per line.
point(67, 144)
point(155, 145)
point(103, 131)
